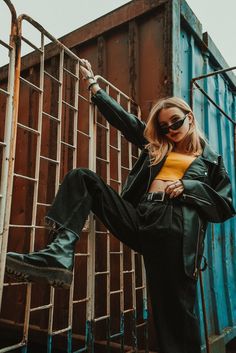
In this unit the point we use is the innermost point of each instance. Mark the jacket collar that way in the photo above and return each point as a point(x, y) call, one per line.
point(209, 155)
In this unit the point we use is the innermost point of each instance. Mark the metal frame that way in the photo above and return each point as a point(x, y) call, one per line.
point(193, 85)
point(6, 145)
point(92, 319)
point(124, 273)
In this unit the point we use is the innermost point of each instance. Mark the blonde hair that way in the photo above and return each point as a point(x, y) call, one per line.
point(158, 144)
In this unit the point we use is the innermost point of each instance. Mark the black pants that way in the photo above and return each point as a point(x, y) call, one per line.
point(155, 230)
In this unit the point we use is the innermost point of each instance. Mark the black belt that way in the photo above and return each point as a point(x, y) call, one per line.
point(158, 196)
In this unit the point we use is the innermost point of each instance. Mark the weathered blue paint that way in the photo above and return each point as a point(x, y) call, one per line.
point(69, 341)
point(122, 329)
point(145, 309)
point(89, 340)
point(24, 349)
point(220, 245)
point(134, 330)
point(49, 344)
point(113, 336)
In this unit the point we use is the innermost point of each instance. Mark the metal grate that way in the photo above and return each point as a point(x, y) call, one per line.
point(57, 129)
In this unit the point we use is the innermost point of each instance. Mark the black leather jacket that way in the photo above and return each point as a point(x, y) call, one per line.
point(207, 189)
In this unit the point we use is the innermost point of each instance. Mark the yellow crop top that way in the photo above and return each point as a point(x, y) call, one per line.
point(175, 166)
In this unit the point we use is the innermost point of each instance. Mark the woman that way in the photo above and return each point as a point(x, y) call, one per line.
point(177, 185)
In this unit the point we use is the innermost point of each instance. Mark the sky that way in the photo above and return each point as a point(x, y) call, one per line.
point(61, 17)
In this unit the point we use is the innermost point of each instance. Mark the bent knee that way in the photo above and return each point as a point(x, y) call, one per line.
point(81, 172)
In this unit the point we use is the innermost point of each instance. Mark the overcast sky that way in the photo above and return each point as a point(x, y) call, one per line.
point(61, 17)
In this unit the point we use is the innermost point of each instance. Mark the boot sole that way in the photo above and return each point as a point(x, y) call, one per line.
point(22, 271)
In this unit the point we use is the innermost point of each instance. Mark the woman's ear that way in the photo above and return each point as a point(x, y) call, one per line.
point(190, 117)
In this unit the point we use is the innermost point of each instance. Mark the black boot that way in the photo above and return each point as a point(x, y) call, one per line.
point(52, 265)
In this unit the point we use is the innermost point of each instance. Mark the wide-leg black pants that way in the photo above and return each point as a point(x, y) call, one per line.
point(155, 230)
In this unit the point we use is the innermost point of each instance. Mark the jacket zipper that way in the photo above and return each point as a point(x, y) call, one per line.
point(196, 198)
point(135, 176)
point(149, 179)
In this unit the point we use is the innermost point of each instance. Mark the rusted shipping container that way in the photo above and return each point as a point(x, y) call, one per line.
point(148, 49)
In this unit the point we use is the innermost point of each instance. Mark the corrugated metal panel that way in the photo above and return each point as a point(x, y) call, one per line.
point(200, 57)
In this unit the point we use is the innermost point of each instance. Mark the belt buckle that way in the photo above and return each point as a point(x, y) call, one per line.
point(161, 199)
point(150, 196)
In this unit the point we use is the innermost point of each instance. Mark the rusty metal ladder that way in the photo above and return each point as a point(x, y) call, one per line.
point(17, 125)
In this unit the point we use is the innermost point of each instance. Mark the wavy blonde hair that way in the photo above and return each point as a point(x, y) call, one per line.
point(158, 144)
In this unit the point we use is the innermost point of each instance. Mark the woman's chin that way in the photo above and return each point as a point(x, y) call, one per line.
point(176, 138)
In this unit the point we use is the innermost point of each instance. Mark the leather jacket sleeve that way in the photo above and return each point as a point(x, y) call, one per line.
point(214, 202)
point(131, 127)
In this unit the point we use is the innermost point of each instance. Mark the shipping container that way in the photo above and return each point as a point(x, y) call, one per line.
point(148, 49)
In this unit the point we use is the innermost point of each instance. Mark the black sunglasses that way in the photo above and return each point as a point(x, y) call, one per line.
point(175, 126)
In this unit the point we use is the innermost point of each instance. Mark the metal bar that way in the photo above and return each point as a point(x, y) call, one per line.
point(114, 148)
point(68, 105)
point(12, 348)
point(90, 293)
point(71, 73)
point(46, 34)
point(108, 262)
point(49, 159)
point(52, 77)
point(75, 127)
point(42, 307)
point(7, 46)
point(204, 314)
point(116, 335)
point(31, 44)
point(103, 160)
point(80, 301)
point(14, 284)
point(4, 92)
point(213, 73)
point(24, 177)
point(84, 133)
point(85, 99)
point(116, 291)
point(116, 181)
point(82, 254)
point(212, 101)
point(100, 318)
point(105, 127)
point(101, 273)
point(36, 184)
point(30, 84)
point(11, 112)
point(128, 271)
point(109, 84)
point(51, 117)
point(54, 333)
point(43, 204)
point(21, 226)
point(68, 145)
point(25, 127)
point(57, 177)
point(59, 118)
point(192, 83)
point(140, 288)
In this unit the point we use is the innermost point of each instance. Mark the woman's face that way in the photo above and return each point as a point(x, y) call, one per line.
point(169, 116)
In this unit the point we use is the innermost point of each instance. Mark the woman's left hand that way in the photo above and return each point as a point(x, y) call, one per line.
point(174, 189)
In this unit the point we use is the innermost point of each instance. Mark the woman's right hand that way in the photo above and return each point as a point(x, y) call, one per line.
point(86, 69)
point(88, 75)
